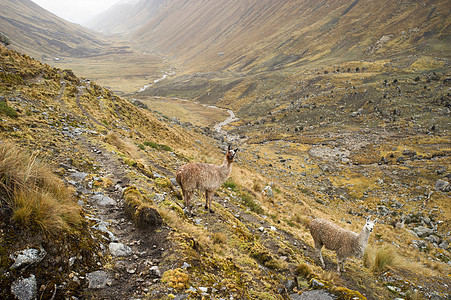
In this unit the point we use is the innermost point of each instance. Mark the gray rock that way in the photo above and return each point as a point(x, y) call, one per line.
point(28, 257)
point(313, 295)
point(422, 231)
point(155, 271)
point(98, 279)
point(186, 265)
point(159, 197)
point(419, 244)
point(103, 227)
point(174, 181)
point(290, 285)
point(78, 176)
point(444, 245)
point(119, 249)
point(25, 288)
point(433, 239)
point(442, 185)
point(316, 284)
point(409, 152)
point(268, 191)
point(103, 200)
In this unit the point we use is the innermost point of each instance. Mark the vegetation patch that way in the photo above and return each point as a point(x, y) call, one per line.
point(158, 146)
point(37, 197)
point(176, 279)
point(7, 110)
point(382, 258)
point(230, 184)
point(248, 201)
point(139, 208)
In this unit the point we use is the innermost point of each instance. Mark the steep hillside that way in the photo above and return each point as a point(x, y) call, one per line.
point(267, 35)
point(135, 241)
point(37, 32)
point(125, 16)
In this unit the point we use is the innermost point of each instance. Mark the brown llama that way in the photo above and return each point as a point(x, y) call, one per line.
point(204, 177)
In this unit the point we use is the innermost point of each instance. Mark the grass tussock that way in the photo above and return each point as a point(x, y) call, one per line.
point(37, 197)
point(383, 258)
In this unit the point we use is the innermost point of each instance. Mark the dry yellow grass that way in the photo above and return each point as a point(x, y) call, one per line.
point(37, 197)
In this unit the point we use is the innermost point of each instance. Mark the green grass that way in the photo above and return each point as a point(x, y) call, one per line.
point(7, 110)
point(158, 146)
point(229, 184)
point(249, 202)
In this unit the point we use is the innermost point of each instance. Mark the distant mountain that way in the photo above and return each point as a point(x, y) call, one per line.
point(244, 35)
point(125, 16)
point(36, 31)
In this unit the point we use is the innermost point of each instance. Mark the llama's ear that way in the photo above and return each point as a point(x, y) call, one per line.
point(375, 221)
point(228, 149)
point(368, 219)
point(236, 150)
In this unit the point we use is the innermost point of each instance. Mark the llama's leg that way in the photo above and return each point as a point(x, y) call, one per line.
point(340, 264)
point(343, 264)
point(339, 260)
point(187, 196)
point(318, 247)
point(208, 196)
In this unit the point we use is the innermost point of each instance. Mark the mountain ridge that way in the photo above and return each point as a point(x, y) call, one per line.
point(246, 35)
point(38, 32)
point(124, 16)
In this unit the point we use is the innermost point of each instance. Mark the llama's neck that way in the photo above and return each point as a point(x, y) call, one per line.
point(225, 169)
point(363, 237)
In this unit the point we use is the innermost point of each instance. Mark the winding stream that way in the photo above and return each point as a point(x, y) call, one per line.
point(218, 127)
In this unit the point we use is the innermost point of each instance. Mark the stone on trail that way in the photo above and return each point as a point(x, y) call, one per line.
point(119, 249)
point(25, 288)
point(98, 279)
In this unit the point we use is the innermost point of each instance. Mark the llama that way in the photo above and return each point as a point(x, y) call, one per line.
point(344, 242)
point(201, 176)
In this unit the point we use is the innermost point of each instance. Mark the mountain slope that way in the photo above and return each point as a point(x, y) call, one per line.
point(120, 161)
point(125, 16)
point(35, 31)
point(266, 35)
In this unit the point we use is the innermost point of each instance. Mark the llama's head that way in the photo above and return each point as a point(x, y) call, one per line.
point(231, 153)
point(369, 224)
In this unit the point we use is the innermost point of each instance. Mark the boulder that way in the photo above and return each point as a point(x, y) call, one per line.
point(25, 288)
point(28, 257)
point(315, 294)
point(442, 185)
point(422, 231)
point(98, 279)
point(103, 200)
point(119, 249)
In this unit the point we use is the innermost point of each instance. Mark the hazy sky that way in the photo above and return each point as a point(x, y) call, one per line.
point(77, 11)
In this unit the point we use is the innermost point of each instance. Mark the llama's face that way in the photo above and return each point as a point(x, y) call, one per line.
point(370, 224)
point(231, 154)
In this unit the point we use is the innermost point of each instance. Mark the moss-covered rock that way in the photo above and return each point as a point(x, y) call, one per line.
point(139, 208)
